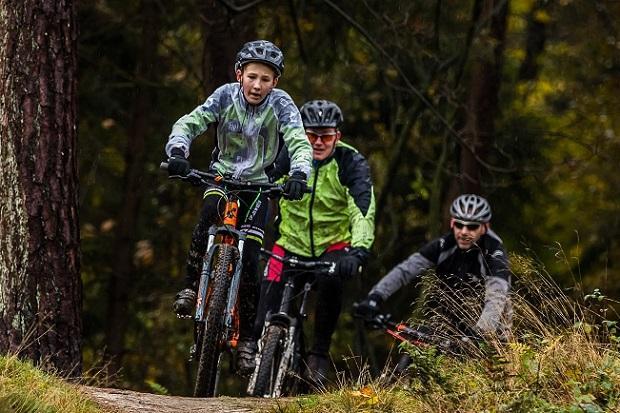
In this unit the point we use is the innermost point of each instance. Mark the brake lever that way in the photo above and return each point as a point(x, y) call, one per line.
point(332, 269)
point(379, 321)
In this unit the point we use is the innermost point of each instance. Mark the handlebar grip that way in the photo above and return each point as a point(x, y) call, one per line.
point(163, 166)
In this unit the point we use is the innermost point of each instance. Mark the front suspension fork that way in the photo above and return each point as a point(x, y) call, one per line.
point(206, 273)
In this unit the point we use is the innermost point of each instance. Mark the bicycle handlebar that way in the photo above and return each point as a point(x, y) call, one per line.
point(197, 177)
point(204, 178)
point(405, 332)
point(328, 267)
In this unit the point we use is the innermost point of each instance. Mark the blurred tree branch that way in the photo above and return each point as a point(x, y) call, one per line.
point(240, 9)
point(421, 96)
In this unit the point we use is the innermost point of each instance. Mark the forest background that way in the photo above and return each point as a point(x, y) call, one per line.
point(517, 100)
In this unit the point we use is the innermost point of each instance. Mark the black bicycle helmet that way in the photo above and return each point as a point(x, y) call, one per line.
point(321, 114)
point(261, 51)
point(470, 207)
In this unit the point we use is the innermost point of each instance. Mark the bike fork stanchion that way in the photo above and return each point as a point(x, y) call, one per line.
point(252, 382)
point(234, 285)
point(285, 361)
point(205, 274)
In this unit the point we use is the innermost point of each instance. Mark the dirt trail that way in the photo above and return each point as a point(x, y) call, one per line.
point(127, 401)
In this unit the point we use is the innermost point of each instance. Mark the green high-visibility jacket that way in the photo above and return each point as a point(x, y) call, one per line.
point(341, 207)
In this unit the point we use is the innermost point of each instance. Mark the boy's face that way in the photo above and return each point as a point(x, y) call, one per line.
point(257, 80)
point(467, 233)
point(323, 141)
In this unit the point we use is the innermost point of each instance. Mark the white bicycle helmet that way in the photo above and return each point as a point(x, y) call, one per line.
point(471, 207)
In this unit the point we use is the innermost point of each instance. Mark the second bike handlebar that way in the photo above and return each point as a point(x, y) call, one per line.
point(327, 267)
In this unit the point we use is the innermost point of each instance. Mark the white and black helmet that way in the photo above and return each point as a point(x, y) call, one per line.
point(321, 114)
point(261, 51)
point(471, 207)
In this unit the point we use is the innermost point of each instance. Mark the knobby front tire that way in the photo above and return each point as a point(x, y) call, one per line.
point(213, 335)
point(271, 356)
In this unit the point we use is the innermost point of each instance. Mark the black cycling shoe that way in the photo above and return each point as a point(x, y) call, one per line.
point(246, 357)
point(317, 367)
point(184, 302)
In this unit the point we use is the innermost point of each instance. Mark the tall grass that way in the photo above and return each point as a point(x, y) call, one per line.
point(26, 389)
point(563, 357)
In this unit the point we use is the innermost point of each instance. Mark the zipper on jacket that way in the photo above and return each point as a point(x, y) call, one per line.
point(316, 179)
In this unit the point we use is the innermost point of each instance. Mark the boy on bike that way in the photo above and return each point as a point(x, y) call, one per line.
point(470, 263)
point(335, 223)
point(250, 118)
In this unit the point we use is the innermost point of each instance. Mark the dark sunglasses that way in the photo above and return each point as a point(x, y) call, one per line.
point(327, 138)
point(472, 226)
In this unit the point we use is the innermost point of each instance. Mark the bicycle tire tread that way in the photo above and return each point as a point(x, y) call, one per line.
point(206, 374)
point(270, 355)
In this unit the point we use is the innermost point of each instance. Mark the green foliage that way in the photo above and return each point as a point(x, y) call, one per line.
point(157, 388)
point(25, 389)
point(426, 365)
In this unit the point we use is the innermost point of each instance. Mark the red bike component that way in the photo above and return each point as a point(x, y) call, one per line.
point(400, 334)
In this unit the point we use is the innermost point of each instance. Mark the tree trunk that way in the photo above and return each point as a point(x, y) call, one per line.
point(224, 34)
point(40, 288)
point(482, 103)
point(535, 41)
point(123, 270)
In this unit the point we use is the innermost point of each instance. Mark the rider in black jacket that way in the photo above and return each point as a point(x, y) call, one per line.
point(470, 264)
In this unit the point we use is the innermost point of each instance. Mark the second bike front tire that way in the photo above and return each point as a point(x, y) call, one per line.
point(271, 355)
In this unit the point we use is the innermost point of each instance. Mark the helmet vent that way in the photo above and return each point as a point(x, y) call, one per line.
point(321, 114)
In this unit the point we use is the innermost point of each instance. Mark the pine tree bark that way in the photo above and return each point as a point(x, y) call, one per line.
point(482, 103)
point(40, 288)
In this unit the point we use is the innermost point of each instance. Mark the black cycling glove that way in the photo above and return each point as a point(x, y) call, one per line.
point(295, 186)
point(177, 163)
point(369, 308)
point(349, 266)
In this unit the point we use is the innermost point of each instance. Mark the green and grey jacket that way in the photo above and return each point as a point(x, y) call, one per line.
point(248, 137)
point(340, 209)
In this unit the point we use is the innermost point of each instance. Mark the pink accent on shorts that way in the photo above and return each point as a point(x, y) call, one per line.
point(274, 267)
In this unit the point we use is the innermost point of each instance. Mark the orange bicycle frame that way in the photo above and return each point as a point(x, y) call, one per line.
point(231, 213)
point(230, 217)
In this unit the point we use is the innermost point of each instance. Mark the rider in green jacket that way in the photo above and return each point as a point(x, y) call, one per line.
point(335, 223)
